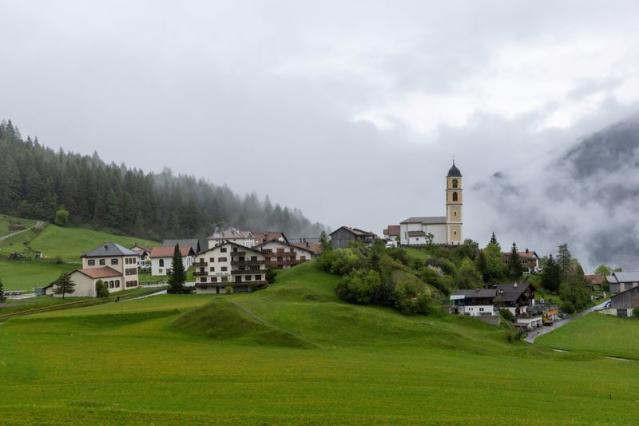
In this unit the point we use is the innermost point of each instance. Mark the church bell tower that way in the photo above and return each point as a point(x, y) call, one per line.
point(454, 202)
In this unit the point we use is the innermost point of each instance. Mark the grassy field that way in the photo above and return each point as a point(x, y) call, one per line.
point(598, 334)
point(293, 354)
point(25, 275)
point(6, 221)
point(68, 243)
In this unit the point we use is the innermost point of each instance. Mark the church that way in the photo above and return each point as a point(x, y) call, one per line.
point(422, 230)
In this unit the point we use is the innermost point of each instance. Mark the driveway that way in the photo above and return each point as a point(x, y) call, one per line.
point(38, 224)
point(531, 336)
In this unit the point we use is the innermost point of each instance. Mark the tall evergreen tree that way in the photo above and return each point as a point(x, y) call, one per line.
point(493, 239)
point(177, 276)
point(515, 269)
point(550, 277)
point(564, 261)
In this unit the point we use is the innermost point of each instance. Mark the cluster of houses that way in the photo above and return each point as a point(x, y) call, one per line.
point(228, 261)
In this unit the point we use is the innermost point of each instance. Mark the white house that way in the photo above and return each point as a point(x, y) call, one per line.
point(422, 230)
point(115, 265)
point(229, 268)
point(280, 254)
point(473, 302)
point(162, 259)
point(232, 235)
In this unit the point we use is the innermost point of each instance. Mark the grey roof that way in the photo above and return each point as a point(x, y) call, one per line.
point(230, 234)
point(427, 220)
point(476, 292)
point(194, 243)
point(510, 292)
point(624, 277)
point(454, 171)
point(355, 231)
point(110, 249)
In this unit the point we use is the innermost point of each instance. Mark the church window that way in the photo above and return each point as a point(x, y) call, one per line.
point(455, 183)
point(454, 196)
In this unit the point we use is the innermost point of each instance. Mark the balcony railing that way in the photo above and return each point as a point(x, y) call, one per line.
point(200, 264)
point(200, 273)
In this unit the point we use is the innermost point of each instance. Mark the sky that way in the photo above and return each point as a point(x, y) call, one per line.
point(351, 111)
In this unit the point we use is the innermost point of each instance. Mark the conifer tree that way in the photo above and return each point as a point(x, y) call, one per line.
point(177, 277)
point(564, 261)
point(64, 285)
point(515, 269)
point(550, 277)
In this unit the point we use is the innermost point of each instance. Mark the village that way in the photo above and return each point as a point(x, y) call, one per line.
point(232, 260)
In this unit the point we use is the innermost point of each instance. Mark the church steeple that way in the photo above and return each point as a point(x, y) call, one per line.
point(454, 204)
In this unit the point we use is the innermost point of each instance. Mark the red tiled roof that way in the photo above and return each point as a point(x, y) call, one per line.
point(167, 251)
point(262, 237)
point(101, 272)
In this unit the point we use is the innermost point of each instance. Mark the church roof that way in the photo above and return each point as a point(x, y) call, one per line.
point(454, 171)
point(428, 220)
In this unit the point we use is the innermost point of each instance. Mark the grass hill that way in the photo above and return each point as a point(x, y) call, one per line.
point(61, 246)
point(293, 354)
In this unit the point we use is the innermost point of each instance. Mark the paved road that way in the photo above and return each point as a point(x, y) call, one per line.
point(530, 338)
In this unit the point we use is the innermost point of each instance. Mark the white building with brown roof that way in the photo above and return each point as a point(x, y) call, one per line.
point(162, 259)
point(280, 254)
point(111, 263)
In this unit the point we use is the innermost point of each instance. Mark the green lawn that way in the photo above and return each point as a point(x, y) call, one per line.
point(67, 243)
point(597, 333)
point(25, 275)
point(6, 221)
point(293, 354)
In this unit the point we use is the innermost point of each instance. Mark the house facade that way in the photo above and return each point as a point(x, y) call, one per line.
point(232, 235)
point(162, 259)
point(229, 268)
point(278, 254)
point(624, 304)
point(115, 265)
point(422, 230)
point(517, 298)
point(473, 302)
point(343, 236)
point(528, 258)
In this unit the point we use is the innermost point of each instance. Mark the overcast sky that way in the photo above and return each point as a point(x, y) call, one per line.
point(351, 111)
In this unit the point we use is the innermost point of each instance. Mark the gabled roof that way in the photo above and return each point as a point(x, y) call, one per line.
point(110, 250)
point(425, 220)
point(314, 248)
point(231, 234)
point(299, 247)
point(167, 251)
point(483, 293)
point(355, 231)
point(624, 277)
point(230, 243)
point(510, 292)
point(101, 272)
point(191, 242)
point(262, 237)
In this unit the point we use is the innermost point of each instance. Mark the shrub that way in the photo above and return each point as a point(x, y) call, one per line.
point(410, 294)
point(339, 261)
point(271, 274)
point(400, 255)
point(443, 283)
point(359, 287)
point(568, 307)
point(468, 276)
point(635, 312)
point(101, 289)
point(445, 265)
point(228, 289)
point(507, 315)
point(61, 217)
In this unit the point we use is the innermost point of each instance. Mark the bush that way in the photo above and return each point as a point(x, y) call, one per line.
point(359, 287)
point(400, 255)
point(568, 307)
point(101, 289)
point(443, 283)
point(635, 312)
point(507, 315)
point(468, 275)
point(61, 217)
point(339, 261)
point(271, 275)
point(411, 295)
point(445, 265)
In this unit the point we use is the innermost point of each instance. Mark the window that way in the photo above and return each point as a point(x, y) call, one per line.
point(111, 284)
point(212, 269)
point(102, 262)
point(221, 259)
point(131, 284)
point(224, 269)
point(117, 283)
point(212, 259)
point(454, 213)
point(161, 263)
point(254, 258)
point(203, 279)
point(223, 249)
point(455, 183)
point(161, 271)
point(114, 261)
point(247, 278)
point(234, 249)
point(241, 258)
point(91, 262)
point(455, 196)
point(225, 279)
point(131, 271)
point(258, 278)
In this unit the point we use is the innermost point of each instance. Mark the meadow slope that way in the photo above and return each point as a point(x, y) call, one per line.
point(294, 354)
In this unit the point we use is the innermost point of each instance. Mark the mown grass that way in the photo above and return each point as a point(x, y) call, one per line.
point(293, 354)
point(28, 274)
point(599, 334)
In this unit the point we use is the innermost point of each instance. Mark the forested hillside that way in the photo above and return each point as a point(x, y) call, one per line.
point(36, 181)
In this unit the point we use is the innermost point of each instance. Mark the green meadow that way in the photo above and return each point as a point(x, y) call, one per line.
point(598, 334)
point(6, 221)
point(26, 275)
point(294, 354)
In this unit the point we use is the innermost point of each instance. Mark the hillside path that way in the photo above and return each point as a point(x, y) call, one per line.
point(37, 225)
point(530, 338)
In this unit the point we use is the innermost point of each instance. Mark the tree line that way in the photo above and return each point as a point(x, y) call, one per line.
point(40, 183)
